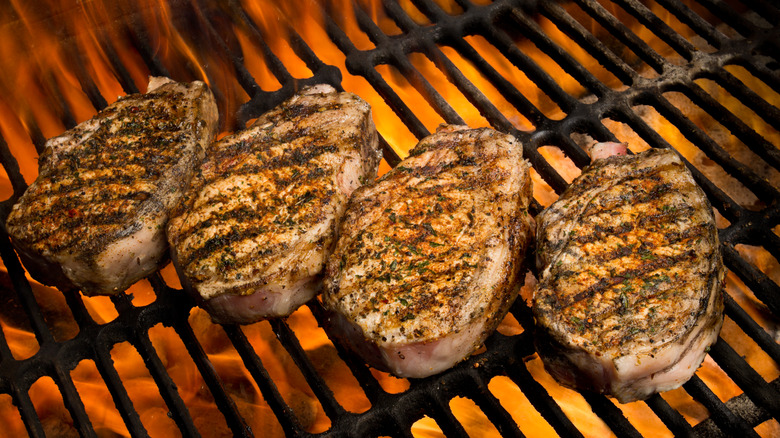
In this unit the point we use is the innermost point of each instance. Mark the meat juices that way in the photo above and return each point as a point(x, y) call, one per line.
point(427, 262)
point(262, 214)
point(629, 298)
point(95, 216)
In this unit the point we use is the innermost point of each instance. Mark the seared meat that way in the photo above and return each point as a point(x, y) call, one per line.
point(428, 259)
point(630, 292)
point(95, 216)
point(264, 211)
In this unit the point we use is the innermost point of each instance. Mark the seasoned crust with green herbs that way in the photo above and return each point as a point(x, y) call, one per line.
point(428, 258)
point(262, 214)
point(629, 296)
point(95, 216)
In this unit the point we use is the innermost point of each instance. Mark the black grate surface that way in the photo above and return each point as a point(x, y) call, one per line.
point(700, 77)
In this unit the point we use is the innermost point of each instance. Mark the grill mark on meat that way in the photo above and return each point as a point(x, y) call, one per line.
point(104, 142)
point(630, 272)
point(126, 177)
point(234, 237)
point(652, 224)
point(93, 218)
point(289, 157)
point(92, 215)
point(599, 178)
point(272, 215)
point(606, 283)
point(264, 211)
point(418, 258)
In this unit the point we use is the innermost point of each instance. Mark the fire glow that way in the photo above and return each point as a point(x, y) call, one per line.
point(56, 44)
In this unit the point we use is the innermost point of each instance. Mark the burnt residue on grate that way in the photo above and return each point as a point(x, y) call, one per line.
point(634, 74)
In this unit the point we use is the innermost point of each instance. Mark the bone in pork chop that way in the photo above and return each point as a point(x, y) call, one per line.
point(629, 298)
point(95, 216)
point(427, 262)
point(264, 211)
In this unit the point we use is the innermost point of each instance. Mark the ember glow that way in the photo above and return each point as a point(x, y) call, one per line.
point(72, 57)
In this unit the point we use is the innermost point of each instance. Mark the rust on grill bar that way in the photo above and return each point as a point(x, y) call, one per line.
point(699, 76)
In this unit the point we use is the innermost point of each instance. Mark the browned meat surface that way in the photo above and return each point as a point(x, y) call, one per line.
point(263, 213)
point(428, 259)
point(95, 216)
point(629, 298)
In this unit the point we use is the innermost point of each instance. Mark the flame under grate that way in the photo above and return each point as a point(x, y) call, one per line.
point(641, 77)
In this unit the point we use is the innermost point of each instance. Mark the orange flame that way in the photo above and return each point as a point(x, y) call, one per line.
point(41, 87)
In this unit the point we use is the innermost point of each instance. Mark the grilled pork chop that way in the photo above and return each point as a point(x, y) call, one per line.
point(264, 211)
point(428, 259)
point(629, 298)
point(95, 216)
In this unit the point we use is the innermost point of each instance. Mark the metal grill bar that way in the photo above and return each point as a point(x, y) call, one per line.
point(746, 377)
point(671, 418)
point(623, 34)
point(719, 412)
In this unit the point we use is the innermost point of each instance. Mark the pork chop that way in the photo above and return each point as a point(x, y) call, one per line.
point(629, 298)
point(428, 259)
point(263, 213)
point(95, 216)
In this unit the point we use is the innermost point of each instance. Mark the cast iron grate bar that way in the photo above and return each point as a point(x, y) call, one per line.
point(759, 391)
point(358, 367)
point(355, 66)
point(749, 326)
point(762, 286)
point(492, 408)
point(27, 411)
point(623, 34)
point(63, 109)
point(742, 406)
point(316, 383)
point(671, 418)
point(766, 9)
point(762, 70)
point(424, 87)
point(445, 419)
point(118, 391)
point(719, 412)
point(11, 167)
point(224, 402)
point(770, 240)
point(73, 402)
point(655, 24)
point(758, 185)
point(243, 75)
point(87, 84)
point(769, 113)
point(284, 414)
point(729, 16)
point(512, 94)
point(574, 30)
point(699, 25)
point(542, 401)
point(734, 124)
point(531, 30)
point(262, 101)
point(139, 37)
point(117, 66)
point(611, 414)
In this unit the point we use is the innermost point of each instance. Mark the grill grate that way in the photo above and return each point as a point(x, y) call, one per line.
point(643, 77)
